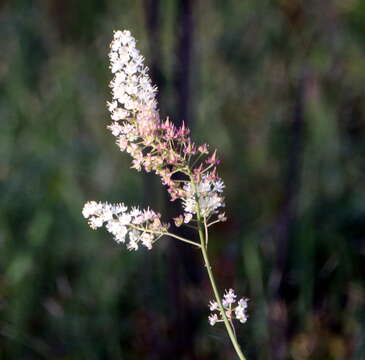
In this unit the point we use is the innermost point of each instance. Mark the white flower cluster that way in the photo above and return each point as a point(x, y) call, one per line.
point(232, 311)
point(208, 196)
point(131, 86)
point(142, 227)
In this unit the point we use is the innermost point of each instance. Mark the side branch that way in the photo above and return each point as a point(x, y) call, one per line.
point(161, 233)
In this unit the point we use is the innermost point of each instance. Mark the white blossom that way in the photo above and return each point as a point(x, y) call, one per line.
point(208, 193)
point(125, 219)
point(229, 298)
point(132, 245)
point(119, 114)
point(218, 186)
point(131, 85)
point(238, 312)
point(147, 240)
point(135, 211)
point(213, 318)
point(111, 105)
point(142, 227)
point(213, 305)
point(95, 222)
point(90, 208)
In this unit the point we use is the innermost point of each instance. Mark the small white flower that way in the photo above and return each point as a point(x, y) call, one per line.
point(148, 215)
point(118, 81)
point(189, 205)
point(213, 305)
point(115, 128)
point(107, 214)
point(218, 186)
point(125, 37)
point(115, 227)
point(130, 104)
point(121, 234)
point(213, 318)
point(138, 220)
point(112, 105)
point(146, 240)
point(229, 298)
point(115, 44)
point(116, 66)
point(119, 208)
point(243, 303)
point(131, 85)
point(123, 55)
point(95, 222)
point(132, 245)
point(125, 219)
point(118, 223)
point(90, 208)
point(222, 217)
point(119, 114)
point(122, 142)
point(207, 193)
point(240, 311)
point(113, 56)
point(135, 211)
point(203, 187)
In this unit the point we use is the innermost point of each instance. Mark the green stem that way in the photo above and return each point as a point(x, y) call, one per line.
point(165, 233)
point(203, 247)
point(217, 297)
point(182, 239)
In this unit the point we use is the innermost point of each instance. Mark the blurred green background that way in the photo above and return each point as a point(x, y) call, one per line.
point(277, 86)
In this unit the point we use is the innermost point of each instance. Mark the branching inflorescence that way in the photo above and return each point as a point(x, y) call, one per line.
point(187, 170)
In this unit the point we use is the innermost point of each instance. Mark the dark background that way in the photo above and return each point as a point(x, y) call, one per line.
point(277, 86)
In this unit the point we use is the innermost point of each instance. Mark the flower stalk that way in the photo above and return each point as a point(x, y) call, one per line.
point(187, 170)
point(229, 327)
point(204, 249)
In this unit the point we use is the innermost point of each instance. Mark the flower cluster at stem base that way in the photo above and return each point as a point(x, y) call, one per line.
point(232, 308)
